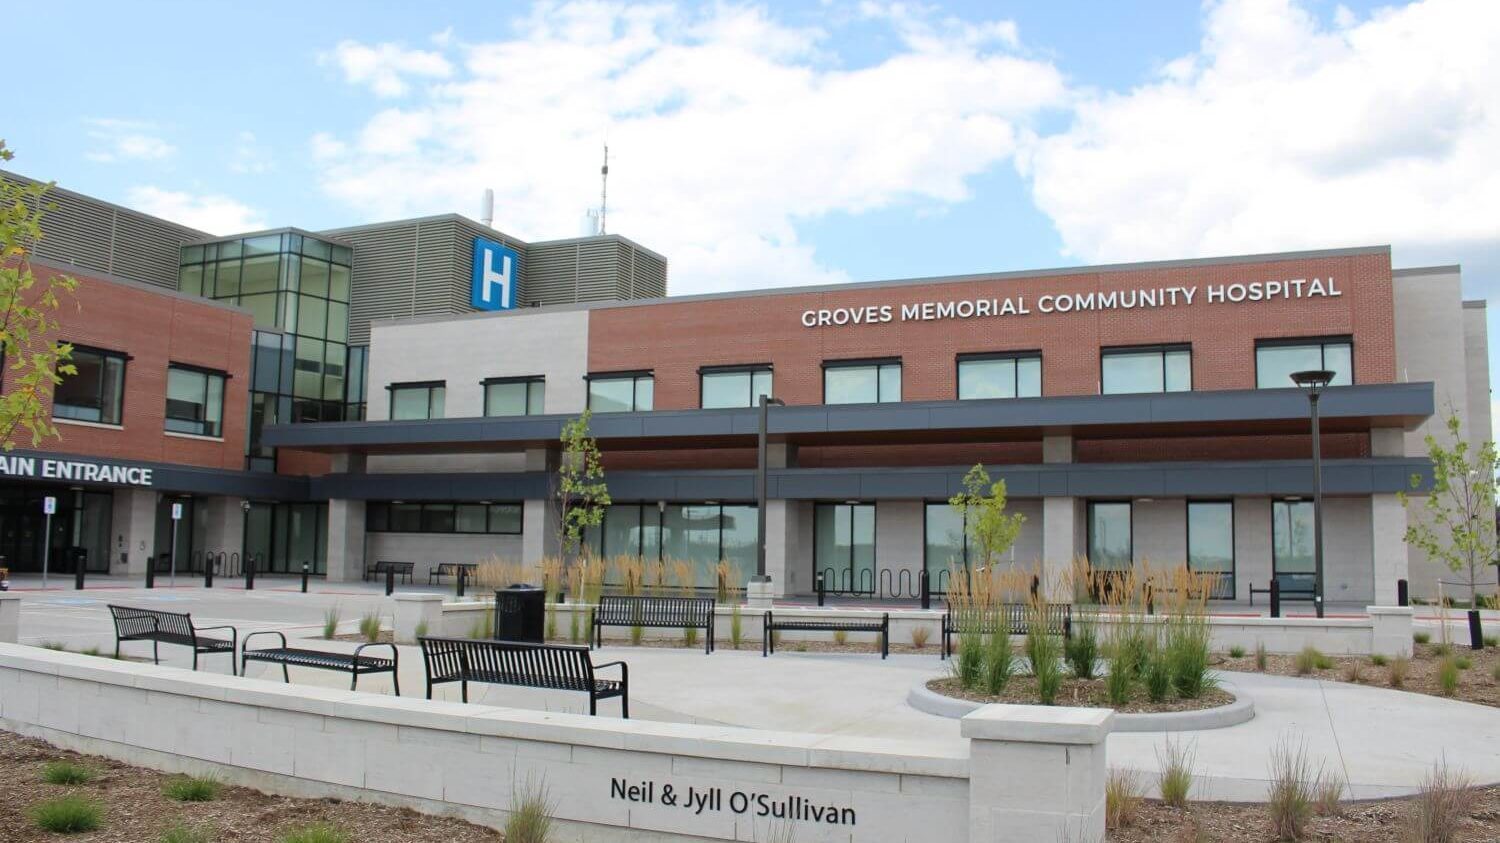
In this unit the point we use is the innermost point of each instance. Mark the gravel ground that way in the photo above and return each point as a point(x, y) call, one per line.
point(1088, 693)
point(1476, 685)
point(135, 811)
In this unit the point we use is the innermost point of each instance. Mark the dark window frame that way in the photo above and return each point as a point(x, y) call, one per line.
point(223, 395)
point(1276, 573)
point(1161, 348)
point(1225, 592)
point(392, 388)
point(750, 369)
point(452, 509)
point(874, 541)
point(979, 356)
point(1321, 341)
point(860, 363)
point(124, 358)
point(529, 380)
point(1088, 533)
point(633, 375)
point(661, 515)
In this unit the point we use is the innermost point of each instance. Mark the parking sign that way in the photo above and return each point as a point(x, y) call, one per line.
point(49, 505)
point(176, 512)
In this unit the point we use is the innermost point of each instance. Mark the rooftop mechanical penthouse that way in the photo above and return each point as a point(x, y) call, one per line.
point(338, 397)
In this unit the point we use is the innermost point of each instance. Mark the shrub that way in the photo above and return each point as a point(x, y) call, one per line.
point(1122, 798)
point(1082, 650)
point(1396, 671)
point(1187, 654)
point(192, 788)
point(1447, 673)
point(1351, 671)
point(1492, 641)
point(66, 772)
point(331, 621)
point(1329, 794)
point(1176, 777)
point(1236, 652)
point(70, 814)
point(1307, 660)
point(530, 819)
point(1117, 682)
point(1378, 660)
point(919, 635)
point(1260, 657)
point(369, 627)
point(690, 636)
point(637, 632)
point(1442, 648)
point(180, 833)
point(1442, 803)
point(1044, 653)
point(573, 627)
point(1158, 677)
point(1290, 795)
point(840, 637)
point(550, 610)
point(999, 662)
point(1421, 637)
point(736, 626)
point(315, 833)
point(970, 659)
point(1136, 647)
point(1463, 662)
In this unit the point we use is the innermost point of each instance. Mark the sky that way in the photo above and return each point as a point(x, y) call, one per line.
point(777, 143)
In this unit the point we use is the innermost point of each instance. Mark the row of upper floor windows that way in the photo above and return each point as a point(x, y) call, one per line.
point(96, 393)
point(1123, 370)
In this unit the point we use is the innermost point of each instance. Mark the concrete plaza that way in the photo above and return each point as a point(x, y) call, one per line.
point(1382, 741)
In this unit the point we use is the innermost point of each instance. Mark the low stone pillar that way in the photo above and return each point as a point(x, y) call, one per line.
point(1390, 630)
point(759, 594)
point(1036, 772)
point(10, 618)
point(415, 610)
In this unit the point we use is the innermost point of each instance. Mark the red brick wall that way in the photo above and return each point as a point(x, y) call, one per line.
point(155, 328)
point(675, 338)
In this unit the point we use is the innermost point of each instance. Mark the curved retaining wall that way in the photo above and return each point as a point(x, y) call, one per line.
point(1242, 710)
point(1027, 772)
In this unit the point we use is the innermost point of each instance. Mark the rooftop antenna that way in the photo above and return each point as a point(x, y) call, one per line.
point(604, 191)
point(487, 208)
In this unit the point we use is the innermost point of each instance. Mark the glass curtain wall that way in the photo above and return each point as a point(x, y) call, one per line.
point(1210, 543)
point(282, 536)
point(702, 534)
point(297, 287)
point(82, 520)
point(1292, 551)
point(1109, 540)
point(844, 546)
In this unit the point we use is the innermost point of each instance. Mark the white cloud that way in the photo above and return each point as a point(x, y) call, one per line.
point(212, 213)
point(726, 127)
point(384, 66)
point(126, 140)
point(249, 156)
point(1282, 132)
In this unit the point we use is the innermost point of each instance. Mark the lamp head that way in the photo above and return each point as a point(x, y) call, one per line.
point(1313, 380)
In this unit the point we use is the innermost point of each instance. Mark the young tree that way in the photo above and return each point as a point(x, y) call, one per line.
point(1460, 526)
point(991, 530)
point(33, 363)
point(582, 494)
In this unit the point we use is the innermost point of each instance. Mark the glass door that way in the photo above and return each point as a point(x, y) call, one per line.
point(844, 547)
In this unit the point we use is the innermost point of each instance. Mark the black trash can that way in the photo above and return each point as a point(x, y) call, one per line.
point(520, 613)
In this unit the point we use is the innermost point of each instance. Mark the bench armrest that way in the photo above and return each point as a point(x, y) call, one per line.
point(395, 654)
point(214, 628)
point(624, 668)
point(277, 633)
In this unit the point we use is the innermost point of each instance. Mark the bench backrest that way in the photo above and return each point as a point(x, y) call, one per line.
point(539, 665)
point(131, 622)
point(1016, 615)
point(616, 610)
point(382, 567)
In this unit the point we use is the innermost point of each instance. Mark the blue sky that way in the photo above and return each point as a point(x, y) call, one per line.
point(786, 143)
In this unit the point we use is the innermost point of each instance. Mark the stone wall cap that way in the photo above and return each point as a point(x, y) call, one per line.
point(8, 595)
point(1038, 724)
point(1390, 610)
point(419, 597)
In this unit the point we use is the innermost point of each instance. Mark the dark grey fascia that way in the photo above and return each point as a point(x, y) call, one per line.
point(187, 479)
point(1086, 480)
point(1403, 405)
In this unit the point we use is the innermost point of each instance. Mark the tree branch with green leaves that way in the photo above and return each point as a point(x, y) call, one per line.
point(1459, 528)
point(582, 494)
point(991, 530)
point(34, 363)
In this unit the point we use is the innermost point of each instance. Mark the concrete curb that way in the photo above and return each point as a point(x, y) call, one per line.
point(1240, 711)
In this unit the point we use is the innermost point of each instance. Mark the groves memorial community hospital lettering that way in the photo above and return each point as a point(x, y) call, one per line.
point(76, 470)
point(717, 800)
point(1254, 291)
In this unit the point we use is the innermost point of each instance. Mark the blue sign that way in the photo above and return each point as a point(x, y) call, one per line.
point(495, 269)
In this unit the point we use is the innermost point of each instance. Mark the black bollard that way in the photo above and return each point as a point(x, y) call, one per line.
point(80, 558)
point(150, 571)
point(1476, 631)
point(249, 572)
point(1275, 598)
point(1403, 597)
point(208, 570)
point(390, 580)
point(304, 577)
point(819, 584)
point(461, 571)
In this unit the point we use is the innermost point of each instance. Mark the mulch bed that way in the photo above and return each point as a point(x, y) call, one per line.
point(386, 637)
point(1085, 693)
point(1475, 685)
point(1364, 822)
point(853, 646)
point(135, 811)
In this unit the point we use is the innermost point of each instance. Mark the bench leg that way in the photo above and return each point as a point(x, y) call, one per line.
point(285, 676)
point(396, 680)
point(195, 658)
point(593, 705)
point(429, 689)
point(464, 689)
point(624, 706)
point(353, 679)
point(155, 653)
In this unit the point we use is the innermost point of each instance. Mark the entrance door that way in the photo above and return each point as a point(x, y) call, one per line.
point(844, 547)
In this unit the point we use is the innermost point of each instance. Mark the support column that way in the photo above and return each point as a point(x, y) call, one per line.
point(1036, 772)
point(539, 519)
point(346, 540)
point(134, 526)
point(781, 519)
point(226, 525)
point(1059, 527)
point(1388, 556)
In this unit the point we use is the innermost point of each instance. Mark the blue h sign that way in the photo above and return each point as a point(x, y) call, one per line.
point(495, 269)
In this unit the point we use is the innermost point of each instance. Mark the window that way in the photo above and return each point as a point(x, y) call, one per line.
point(417, 400)
point(733, 386)
point(702, 534)
point(478, 517)
point(1151, 368)
point(844, 546)
point(514, 396)
point(1109, 541)
point(1276, 360)
point(1000, 375)
point(195, 400)
point(861, 381)
point(96, 393)
point(1210, 543)
point(945, 541)
point(1292, 559)
point(621, 392)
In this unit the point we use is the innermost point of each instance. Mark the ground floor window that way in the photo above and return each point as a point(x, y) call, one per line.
point(1210, 542)
point(945, 541)
point(1292, 551)
point(1109, 541)
point(844, 546)
point(82, 520)
point(405, 517)
point(282, 536)
point(700, 533)
point(191, 532)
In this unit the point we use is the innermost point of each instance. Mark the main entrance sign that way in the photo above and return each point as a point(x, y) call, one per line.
point(1140, 299)
point(495, 269)
point(78, 470)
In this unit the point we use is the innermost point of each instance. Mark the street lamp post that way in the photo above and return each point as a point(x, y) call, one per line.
point(1314, 381)
point(760, 490)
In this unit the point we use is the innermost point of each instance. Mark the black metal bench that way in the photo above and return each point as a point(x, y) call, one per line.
point(355, 664)
point(768, 641)
point(436, 573)
point(160, 627)
point(657, 612)
point(1295, 592)
point(401, 569)
point(562, 667)
point(1017, 617)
